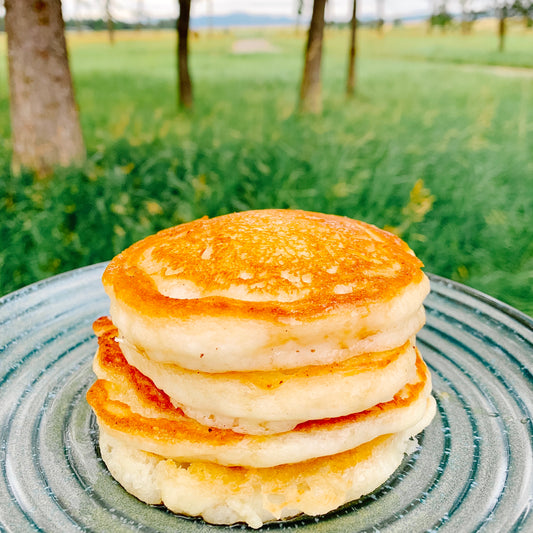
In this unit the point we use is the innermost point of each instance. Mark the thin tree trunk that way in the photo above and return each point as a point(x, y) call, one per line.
point(77, 16)
point(185, 98)
point(109, 22)
point(381, 16)
point(429, 27)
point(310, 90)
point(443, 11)
point(140, 15)
point(465, 27)
point(502, 29)
point(44, 120)
point(351, 81)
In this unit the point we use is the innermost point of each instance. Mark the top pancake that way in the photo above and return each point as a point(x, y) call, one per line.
point(269, 263)
point(258, 287)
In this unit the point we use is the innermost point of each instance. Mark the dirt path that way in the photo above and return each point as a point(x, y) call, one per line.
point(500, 70)
point(253, 46)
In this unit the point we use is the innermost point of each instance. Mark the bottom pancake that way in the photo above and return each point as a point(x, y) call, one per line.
point(227, 495)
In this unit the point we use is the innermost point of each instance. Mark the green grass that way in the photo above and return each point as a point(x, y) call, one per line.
point(480, 47)
point(442, 154)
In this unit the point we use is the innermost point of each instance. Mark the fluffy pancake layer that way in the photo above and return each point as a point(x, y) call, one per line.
point(131, 409)
point(263, 290)
point(275, 401)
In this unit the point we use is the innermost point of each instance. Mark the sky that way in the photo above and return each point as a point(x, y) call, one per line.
point(335, 10)
point(338, 10)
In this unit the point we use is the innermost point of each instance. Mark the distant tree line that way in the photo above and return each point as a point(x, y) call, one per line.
point(502, 10)
point(101, 24)
point(499, 9)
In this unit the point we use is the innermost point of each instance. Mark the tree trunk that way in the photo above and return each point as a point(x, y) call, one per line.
point(502, 15)
point(429, 27)
point(351, 81)
point(140, 15)
point(381, 16)
point(109, 22)
point(184, 80)
point(44, 120)
point(465, 23)
point(310, 91)
point(77, 16)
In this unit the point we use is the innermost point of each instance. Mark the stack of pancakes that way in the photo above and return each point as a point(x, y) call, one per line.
point(261, 364)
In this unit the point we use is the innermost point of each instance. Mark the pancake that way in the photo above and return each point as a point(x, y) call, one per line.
point(266, 290)
point(270, 402)
point(261, 364)
point(131, 409)
point(226, 495)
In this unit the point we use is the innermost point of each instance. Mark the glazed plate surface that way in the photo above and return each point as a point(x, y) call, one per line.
point(472, 472)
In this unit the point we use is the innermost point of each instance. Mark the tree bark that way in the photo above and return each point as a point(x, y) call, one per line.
point(185, 98)
point(310, 89)
point(44, 119)
point(351, 80)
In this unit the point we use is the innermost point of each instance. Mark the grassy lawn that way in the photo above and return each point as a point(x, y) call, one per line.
point(439, 153)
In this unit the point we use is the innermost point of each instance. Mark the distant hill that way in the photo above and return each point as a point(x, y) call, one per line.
point(246, 19)
point(232, 20)
point(240, 19)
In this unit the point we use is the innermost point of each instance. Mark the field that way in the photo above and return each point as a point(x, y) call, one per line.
point(437, 146)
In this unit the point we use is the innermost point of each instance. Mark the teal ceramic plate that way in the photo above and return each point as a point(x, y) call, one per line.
point(472, 472)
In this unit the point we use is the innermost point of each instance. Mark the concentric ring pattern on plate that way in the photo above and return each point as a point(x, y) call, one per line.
point(472, 472)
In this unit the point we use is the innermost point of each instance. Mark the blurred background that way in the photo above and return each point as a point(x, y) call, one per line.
point(430, 137)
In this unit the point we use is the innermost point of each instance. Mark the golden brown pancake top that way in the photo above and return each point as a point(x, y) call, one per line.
point(262, 264)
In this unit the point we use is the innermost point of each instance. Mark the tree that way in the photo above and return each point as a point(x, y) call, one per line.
point(433, 12)
point(140, 15)
point(502, 11)
point(505, 9)
point(44, 120)
point(380, 20)
point(524, 8)
point(310, 89)
point(351, 80)
point(109, 22)
point(441, 17)
point(299, 11)
point(469, 16)
point(185, 98)
point(466, 20)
